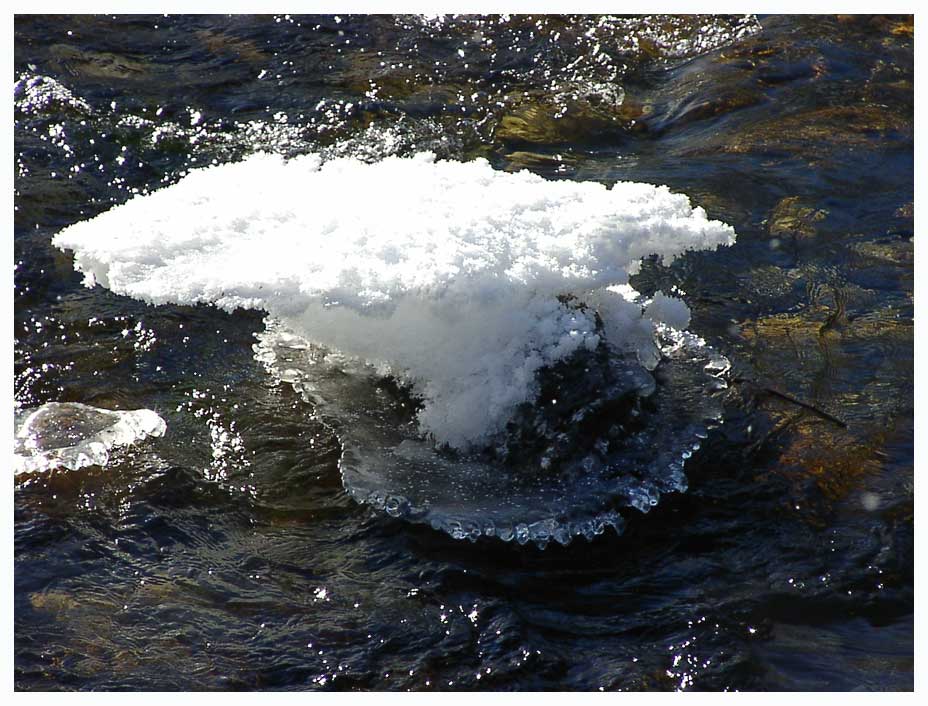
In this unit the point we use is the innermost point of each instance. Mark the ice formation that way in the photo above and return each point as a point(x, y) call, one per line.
point(459, 280)
point(604, 436)
point(71, 435)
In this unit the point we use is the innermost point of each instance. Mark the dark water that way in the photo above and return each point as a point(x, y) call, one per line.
point(226, 554)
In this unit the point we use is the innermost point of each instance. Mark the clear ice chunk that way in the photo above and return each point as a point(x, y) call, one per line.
point(71, 435)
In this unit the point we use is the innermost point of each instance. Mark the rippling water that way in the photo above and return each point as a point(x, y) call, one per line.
point(227, 555)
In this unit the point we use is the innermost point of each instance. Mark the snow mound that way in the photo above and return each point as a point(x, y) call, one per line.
point(457, 279)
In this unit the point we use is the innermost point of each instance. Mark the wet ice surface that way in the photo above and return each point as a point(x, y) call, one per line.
point(71, 435)
point(604, 437)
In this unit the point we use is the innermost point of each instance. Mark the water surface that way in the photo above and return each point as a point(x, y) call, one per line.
point(227, 555)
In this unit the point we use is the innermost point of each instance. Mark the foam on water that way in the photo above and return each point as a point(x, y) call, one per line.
point(453, 277)
point(71, 435)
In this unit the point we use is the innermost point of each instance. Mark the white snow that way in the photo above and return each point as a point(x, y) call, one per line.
point(446, 274)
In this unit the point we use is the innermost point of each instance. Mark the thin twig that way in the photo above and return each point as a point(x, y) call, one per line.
point(789, 398)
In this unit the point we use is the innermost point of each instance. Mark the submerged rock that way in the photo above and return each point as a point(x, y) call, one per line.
point(575, 113)
point(792, 217)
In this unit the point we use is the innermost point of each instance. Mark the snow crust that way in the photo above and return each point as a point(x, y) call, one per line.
point(459, 279)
